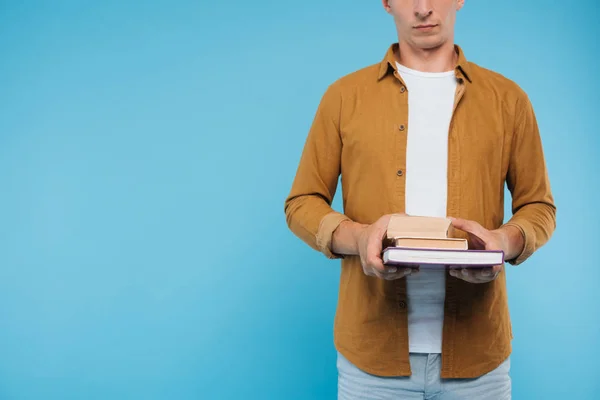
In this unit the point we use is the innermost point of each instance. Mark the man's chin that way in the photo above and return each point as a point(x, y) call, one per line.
point(428, 42)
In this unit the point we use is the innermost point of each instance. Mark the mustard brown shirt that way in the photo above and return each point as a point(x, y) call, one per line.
point(360, 132)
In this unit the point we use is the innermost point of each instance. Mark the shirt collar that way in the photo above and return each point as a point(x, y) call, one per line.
point(389, 63)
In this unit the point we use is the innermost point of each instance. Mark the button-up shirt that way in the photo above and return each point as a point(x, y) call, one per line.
point(360, 133)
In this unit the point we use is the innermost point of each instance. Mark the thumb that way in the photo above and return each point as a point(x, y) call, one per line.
point(466, 225)
point(458, 223)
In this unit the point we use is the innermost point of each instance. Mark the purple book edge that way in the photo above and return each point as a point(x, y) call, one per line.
point(427, 264)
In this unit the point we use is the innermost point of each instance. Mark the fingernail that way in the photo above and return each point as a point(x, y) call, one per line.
point(392, 269)
point(407, 271)
point(485, 272)
point(465, 272)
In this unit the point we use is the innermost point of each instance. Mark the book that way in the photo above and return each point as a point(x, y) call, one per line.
point(422, 232)
point(444, 258)
point(432, 241)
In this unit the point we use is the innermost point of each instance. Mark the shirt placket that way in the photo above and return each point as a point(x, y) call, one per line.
point(451, 303)
point(402, 126)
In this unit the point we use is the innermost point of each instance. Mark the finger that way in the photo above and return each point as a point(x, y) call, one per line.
point(408, 268)
point(393, 276)
point(376, 263)
point(469, 226)
point(383, 223)
point(369, 271)
point(462, 224)
point(482, 275)
point(464, 274)
point(377, 273)
point(485, 274)
point(396, 273)
point(477, 242)
point(374, 248)
point(476, 233)
point(374, 253)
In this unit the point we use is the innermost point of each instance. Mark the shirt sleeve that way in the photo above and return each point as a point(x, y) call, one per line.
point(533, 207)
point(308, 210)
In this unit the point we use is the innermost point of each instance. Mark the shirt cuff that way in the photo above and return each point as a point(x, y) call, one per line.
point(327, 226)
point(528, 239)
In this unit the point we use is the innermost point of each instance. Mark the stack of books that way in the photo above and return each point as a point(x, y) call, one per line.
point(430, 241)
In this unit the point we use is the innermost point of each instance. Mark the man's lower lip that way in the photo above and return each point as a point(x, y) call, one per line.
point(425, 27)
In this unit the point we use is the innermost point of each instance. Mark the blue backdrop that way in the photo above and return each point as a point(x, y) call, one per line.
point(146, 150)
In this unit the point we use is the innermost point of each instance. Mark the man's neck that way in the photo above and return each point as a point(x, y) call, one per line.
point(439, 59)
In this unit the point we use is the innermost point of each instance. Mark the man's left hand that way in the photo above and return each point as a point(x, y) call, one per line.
point(481, 239)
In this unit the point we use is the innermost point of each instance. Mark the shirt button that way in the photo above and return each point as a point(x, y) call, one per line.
point(402, 127)
point(402, 304)
point(402, 89)
point(400, 172)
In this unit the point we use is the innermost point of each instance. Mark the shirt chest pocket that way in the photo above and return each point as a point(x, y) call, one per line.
point(376, 141)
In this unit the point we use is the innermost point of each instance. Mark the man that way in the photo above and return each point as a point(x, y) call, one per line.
point(423, 132)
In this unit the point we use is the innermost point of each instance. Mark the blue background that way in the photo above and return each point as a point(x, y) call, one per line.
point(146, 150)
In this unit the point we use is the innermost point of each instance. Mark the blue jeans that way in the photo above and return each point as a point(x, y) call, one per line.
point(424, 383)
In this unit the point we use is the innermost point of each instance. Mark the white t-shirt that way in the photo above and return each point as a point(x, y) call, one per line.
point(430, 104)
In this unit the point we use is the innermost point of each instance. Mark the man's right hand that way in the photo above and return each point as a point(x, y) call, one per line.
point(370, 240)
point(367, 242)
